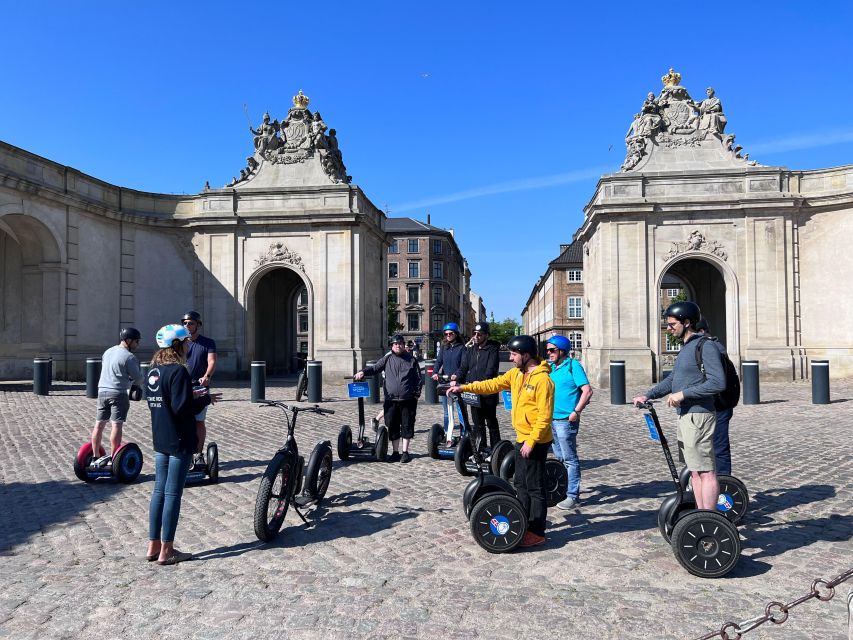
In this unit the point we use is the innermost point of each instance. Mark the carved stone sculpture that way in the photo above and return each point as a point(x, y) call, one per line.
point(278, 252)
point(711, 113)
point(266, 137)
point(695, 242)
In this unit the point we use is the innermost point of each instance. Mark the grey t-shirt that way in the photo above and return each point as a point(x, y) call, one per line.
point(119, 368)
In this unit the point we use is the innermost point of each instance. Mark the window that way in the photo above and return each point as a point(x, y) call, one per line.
point(576, 338)
point(303, 323)
point(414, 321)
point(671, 293)
point(575, 307)
point(671, 343)
point(438, 269)
point(394, 248)
point(393, 296)
point(414, 269)
point(573, 275)
point(413, 245)
point(303, 296)
point(392, 270)
point(437, 321)
point(303, 347)
point(437, 246)
point(438, 294)
point(413, 293)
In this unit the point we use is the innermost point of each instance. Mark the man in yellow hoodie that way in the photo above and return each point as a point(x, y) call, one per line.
point(532, 407)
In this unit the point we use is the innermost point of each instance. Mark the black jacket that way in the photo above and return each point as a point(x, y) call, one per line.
point(169, 392)
point(480, 363)
point(403, 380)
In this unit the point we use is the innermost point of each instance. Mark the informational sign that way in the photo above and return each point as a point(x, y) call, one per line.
point(506, 396)
point(358, 390)
point(650, 423)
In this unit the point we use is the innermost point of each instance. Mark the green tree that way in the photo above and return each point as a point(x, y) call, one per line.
point(393, 325)
point(504, 330)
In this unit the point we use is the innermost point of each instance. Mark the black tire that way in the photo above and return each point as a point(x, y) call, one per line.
point(507, 470)
point(319, 471)
point(706, 543)
point(733, 502)
point(461, 455)
point(274, 492)
point(127, 463)
point(344, 442)
point(83, 459)
point(436, 437)
point(212, 459)
point(556, 481)
point(380, 451)
point(498, 522)
point(499, 452)
point(301, 385)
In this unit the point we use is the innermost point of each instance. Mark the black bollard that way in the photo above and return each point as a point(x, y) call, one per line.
point(430, 391)
point(751, 391)
point(820, 381)
point(93, 375)
point(373, 384)
point(41, 376)
point(617, 382)
point(144, 367)
point(258, 374)
point(315, 381)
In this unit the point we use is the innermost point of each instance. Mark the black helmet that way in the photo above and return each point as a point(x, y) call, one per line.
point(398, 339)
point(129, 333)
point(523, 344)
point(195, 316)
point(684, 311)
point(482, 327)
point(702, 325)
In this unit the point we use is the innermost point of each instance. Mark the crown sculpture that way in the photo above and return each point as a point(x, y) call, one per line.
point(300, 100)
point(671, 122)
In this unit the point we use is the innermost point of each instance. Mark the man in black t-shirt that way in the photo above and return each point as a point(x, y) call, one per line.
point(201, 362)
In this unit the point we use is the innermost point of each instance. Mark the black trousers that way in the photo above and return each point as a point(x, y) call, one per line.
point(529, 482)
point(485, 417)
point(400, 418)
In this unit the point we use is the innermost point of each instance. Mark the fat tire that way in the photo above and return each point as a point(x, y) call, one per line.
point(492, 507)
point(276, 485)
point(436, 436)
point(127, 463)
point(461, 455)
point(301, 385)
point(706, 543)
point(556, 481)
point(499, 452)
point(344, 442)
point(212, 459)
point(380, 451)
point(731, 486)
point(318, 474)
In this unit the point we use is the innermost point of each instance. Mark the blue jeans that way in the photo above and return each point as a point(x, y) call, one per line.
point(461, 414)
point(565, 447)
point(170, 477)
point(722, 450)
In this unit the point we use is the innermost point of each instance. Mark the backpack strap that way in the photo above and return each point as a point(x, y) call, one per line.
point(699, 362)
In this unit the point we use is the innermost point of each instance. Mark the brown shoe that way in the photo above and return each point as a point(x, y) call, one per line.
point(531, 540)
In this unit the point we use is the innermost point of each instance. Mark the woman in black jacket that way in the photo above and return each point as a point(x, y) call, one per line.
point(173, 406)
point(447, 364)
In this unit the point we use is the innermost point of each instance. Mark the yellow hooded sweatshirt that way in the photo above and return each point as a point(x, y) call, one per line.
point(532, 401)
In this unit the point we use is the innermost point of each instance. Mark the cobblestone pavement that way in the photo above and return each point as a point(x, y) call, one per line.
point(389, 554)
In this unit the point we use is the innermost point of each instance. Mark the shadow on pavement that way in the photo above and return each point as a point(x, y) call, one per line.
point(586, 465)
point(608, 494)
point(764, 503)
point(351, 498)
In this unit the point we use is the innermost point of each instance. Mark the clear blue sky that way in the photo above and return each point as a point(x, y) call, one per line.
point(496, 118)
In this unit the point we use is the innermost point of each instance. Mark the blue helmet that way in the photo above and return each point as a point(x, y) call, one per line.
point(451, 326)
point(561, 342)
point(167, 335)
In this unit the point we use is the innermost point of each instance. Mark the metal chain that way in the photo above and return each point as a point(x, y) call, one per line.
point(776, 612)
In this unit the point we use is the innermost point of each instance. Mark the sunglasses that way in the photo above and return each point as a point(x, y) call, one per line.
point(450, 333)
point(186, 322)
point(551, 349)
point(480, 333)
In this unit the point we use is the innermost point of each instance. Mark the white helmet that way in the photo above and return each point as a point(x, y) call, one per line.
point(171, 332)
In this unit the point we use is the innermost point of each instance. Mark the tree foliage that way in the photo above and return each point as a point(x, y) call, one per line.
point(504, 330)
point(393, 307)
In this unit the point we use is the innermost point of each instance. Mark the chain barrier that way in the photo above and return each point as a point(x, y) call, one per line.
point(776, 612)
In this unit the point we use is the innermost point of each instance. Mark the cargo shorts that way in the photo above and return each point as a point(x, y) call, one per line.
point(696, 440)
point(113, 406)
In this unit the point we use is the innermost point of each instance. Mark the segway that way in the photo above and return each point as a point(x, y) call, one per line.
point(362, 448)
point(491, 457)
point(556, 476)
point(442, 443)
point(704, 542)
point(206, 469)
point(733, 501)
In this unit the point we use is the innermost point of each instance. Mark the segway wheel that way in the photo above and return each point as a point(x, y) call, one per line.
point(274, 495)
point(344, 442)
point(436, 438)
point(319, 471)
point(380, 447)
point(556, 481)
point(127, 463)
point(507, 470)
point(706, 543)
point(499, 452)
point(301, 385)
point(498, 522)
point(461, 455)
point(733, 501)
point(212, 458)
point(684, 477)
point(84, 459)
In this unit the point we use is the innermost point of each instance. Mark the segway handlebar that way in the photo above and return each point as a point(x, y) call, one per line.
point(293, 408)
point(648, 405)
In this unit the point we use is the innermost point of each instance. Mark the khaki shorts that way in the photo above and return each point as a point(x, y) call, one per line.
point(696, 440)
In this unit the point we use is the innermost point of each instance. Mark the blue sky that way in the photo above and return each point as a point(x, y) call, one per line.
point(494, 118)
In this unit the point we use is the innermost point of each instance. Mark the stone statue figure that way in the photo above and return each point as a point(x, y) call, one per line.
point(651, 118)
point(711, 113)
point(318, 132)
point(265, 137)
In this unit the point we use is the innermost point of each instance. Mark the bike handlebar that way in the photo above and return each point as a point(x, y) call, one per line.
point(294, 408)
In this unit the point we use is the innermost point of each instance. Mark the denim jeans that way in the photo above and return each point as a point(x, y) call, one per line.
point(722, 450)
point(461, 415)
point(170, 476)
point(565, 447)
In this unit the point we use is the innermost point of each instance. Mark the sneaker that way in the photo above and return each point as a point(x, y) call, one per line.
point(103, 461)
point(405, 457)
point(394, 457)
point(198, 460)
point(568, 504)
point(531, 540)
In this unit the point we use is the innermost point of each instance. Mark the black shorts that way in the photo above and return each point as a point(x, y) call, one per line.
point(400, 418)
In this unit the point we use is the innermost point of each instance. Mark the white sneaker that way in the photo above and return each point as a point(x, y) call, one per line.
point(103, 461)
point(568, 504)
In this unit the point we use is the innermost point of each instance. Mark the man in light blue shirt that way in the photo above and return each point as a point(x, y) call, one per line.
point(572, 393)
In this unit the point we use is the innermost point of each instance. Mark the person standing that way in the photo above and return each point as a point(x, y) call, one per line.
point(119, 369)
point(532, 407)
point(402, 385)
point(173, 405)
point(201, 362)
point(691, 393)
point(572, 393)
point(722, 447)
point(481, 361)
point(447, 363)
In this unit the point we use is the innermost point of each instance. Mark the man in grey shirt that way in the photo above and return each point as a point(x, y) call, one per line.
point(119, 369)
point(692, 392)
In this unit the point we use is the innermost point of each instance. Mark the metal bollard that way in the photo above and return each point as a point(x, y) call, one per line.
point(258, 374)
point(617, 382)
point(315, 381)
point(820, 381)
point(41, 376)
point(430, 391)
point(93, 375)
point(373, 384)
point(751, 392)
point(144, 367)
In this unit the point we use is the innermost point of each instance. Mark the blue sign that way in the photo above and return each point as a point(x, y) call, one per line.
point(506, 396)
point(650, 423)
point(359, 390)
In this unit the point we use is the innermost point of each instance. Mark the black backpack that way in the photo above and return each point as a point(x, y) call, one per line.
point(728, 398)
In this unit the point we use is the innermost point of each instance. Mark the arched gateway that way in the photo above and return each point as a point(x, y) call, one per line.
point(759, 248)
point(287, 258)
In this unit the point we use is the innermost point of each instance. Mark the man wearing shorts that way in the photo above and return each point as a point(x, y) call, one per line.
point(201, 362)
point(119, 369)
point(692, 394)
